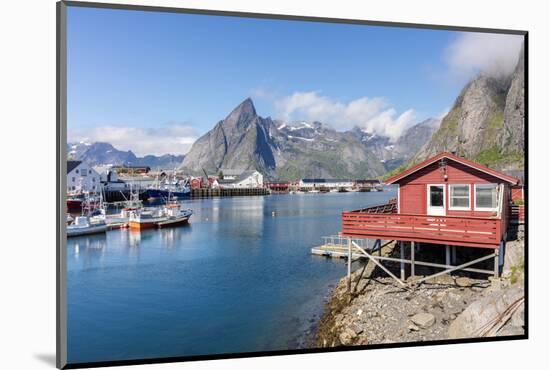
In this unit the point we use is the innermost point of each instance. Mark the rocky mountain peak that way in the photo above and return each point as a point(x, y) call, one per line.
point(242, 115)
point(485, 123)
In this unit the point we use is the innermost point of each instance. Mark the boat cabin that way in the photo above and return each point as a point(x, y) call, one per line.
point(444, 200)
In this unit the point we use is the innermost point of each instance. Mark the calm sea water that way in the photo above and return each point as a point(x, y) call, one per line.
point(237, 279)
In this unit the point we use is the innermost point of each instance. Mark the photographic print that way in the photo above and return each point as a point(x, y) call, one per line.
point(240, 184)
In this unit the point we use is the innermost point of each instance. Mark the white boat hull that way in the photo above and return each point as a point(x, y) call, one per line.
point(85, 230)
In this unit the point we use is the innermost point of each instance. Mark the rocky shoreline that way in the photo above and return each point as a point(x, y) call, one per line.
point(448, 307)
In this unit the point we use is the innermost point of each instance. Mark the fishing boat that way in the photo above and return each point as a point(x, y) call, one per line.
point(169, 189)
point(165, 193)
point(83, 225)
point(74, 204)
point(120, 219)
point(170, 215)
point(145, 219)
point(176, 216)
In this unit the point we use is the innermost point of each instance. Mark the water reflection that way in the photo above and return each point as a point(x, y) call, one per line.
point(172, 237)
point(239, 277)
point(89, 249)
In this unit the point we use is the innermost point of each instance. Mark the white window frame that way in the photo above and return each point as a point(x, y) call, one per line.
point(483, 209)
point(445, 207)
point(469, 208)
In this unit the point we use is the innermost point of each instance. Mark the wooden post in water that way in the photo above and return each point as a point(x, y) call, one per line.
point(349, 264)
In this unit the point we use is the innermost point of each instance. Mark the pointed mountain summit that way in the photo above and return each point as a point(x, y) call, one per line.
point(243, 115)
point(240, 141)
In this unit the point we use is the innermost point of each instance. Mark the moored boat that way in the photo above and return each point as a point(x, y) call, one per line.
point(83, 225)
point(74, 204)
point(168, 194)
point(175, 215)
point(145, 219)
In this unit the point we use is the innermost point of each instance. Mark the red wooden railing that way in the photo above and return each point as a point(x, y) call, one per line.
point(389, 207)
point(449, 230)
point(517, 213)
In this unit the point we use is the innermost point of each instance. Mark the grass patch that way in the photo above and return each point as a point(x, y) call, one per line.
point(517, 271)
point(493, 156)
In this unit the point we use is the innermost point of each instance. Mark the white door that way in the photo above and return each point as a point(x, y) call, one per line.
point(436, 200)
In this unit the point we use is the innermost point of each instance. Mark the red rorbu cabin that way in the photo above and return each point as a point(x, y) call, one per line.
point(444, 200)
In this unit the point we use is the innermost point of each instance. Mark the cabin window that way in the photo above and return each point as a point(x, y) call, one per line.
point(486, 197)
point(459, 197)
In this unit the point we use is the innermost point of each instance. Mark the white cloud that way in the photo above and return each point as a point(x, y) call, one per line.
point(493, 54)
point(168, 139)
point(370, 114)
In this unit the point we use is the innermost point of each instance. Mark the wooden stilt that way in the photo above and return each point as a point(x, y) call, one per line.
point(412, 260)
point(373, 259)
point(402, 252)
point(501, 252)
point(447, 255)
point(453, 255)
point(460, 267)
point(496, 262)
point(349, 265)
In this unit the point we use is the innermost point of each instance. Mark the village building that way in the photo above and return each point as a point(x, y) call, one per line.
point(278, 185)
point(82, 178)
point(110, 179)
point(446, 201)
point(230, 178)
point(368, 183)
point(309, 184)
point(132, 170)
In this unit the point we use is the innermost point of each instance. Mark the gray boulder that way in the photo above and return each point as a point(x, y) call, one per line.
point(487, 316)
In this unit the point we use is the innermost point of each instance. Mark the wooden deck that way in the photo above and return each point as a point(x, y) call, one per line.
point(447, 230)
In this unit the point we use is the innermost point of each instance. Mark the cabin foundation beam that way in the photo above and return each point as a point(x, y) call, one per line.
point(402, 263)
point(448, 255)
point(412, 260)
point(374, 260)
point(453, 255)
point(349, 265)
point(497, 267)
point(460, 267)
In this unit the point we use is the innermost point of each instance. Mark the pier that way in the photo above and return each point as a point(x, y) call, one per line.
point(227, 192)
point(336, 246)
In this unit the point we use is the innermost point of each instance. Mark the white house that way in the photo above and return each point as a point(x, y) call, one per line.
point(241, 179)
point(325, 183)
point(82, 178)
point(106, 172)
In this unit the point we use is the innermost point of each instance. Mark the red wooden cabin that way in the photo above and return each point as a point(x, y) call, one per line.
point(444, 200)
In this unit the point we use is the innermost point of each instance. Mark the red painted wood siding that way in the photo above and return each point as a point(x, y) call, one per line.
point(412, 199)
point(413, 189)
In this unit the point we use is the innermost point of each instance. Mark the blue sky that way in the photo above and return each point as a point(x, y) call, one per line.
point(169, 78)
